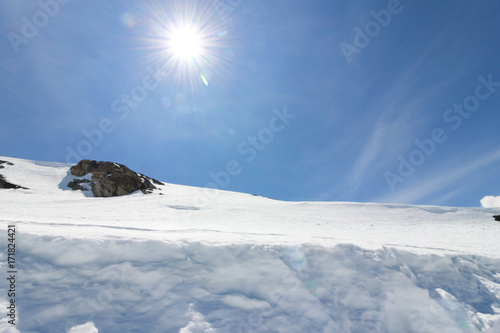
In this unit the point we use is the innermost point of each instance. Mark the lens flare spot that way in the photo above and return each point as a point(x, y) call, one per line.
point(297, 258)
point(166, 102)
point(128, 20)
point(204, 79)
point(222, 33)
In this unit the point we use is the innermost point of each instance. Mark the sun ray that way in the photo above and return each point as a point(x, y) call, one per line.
point(190, 42)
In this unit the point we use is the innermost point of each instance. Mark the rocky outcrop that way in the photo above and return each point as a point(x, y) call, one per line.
point(4, 162)
point(108, 179)
point(4, 183)
point(497, 218)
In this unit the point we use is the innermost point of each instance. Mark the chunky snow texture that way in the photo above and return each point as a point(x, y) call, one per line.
point(214, 261)
point(154, 286)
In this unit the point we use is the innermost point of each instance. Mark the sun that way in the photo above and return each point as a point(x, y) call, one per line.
point(189, 41)
point(185, 43)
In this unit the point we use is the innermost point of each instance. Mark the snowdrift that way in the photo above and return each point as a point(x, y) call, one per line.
point(194, 260)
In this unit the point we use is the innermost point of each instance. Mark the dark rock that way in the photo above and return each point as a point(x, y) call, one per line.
point(75, 184)
point(5, 162)
point(497, 218)
point(5, 184)
point(157, 182)
point(111, 179)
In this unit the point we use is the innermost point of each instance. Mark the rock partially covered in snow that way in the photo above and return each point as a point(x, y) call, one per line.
point(5, 162)
point(108, 179)
point(4, 183)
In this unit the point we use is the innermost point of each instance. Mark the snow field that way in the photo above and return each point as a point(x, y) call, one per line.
point(123, 285)
point(193, 260)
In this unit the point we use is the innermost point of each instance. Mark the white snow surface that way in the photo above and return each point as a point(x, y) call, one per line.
point(196, 260)
point(490, 201)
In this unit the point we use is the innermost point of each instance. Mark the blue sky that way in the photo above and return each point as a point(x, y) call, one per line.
point(380, 101)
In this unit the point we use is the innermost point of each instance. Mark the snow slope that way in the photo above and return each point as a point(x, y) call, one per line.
point(197, 260)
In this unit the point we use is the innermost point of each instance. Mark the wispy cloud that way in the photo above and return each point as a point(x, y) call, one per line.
point(441, 179)
point(391, 134)
point(401, 119)
point(368, 154)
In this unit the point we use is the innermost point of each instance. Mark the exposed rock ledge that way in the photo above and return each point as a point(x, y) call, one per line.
point(108, 179)
point(4, 183)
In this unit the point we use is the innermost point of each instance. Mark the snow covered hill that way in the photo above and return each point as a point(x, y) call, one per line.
point(197, 260)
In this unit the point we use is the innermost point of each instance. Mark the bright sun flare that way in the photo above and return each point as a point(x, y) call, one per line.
point(185, 43)
point(190, 42)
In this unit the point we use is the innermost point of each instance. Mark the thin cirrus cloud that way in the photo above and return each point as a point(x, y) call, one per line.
point(403, 117)
point(392, 133)
point(439, 180)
